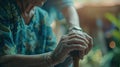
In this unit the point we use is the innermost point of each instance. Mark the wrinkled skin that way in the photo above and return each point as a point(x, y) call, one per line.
point(75, 40)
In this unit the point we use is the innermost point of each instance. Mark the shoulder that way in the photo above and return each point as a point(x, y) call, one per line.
point(58, 4)
point(42, 14)
point(41, 11)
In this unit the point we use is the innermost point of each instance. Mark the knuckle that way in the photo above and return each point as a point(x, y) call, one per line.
point(83, 43)
point(90, 38)
point(75, 39)
point(75, 35)
point(73, 32)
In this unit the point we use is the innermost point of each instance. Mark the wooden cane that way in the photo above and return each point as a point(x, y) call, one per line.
point(75, 56)
point(75, 61)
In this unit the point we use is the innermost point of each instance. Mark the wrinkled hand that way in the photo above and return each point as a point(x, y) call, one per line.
point(65, 46)
point(76, 40)
point(85, 39)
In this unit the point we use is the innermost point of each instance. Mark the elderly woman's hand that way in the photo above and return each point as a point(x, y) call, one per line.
point(85, 39)
point(65, 46)
point(75, 40)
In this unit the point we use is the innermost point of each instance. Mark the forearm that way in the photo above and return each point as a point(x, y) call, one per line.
point(39, 60)
point(71, 16)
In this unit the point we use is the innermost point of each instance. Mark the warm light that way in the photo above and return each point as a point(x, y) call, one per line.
point(112, 44)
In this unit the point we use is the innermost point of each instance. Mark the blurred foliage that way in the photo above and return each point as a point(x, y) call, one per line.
point(115, 62)
point(116, 21)
point(113, 19)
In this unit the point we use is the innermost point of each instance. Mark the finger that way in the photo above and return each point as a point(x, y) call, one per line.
point(89, 37)
point(75, 41)
point(80, 34)
point(76, 47)
point(79, 37)
point(75, 32)
point(90, 45)
point(81, 54)
point(90, 40)
point(86, 51)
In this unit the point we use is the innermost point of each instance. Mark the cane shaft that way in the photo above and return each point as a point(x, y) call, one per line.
point(75, 56)
point(75, 61)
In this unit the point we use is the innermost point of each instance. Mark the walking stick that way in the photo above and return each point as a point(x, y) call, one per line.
point(75, 56)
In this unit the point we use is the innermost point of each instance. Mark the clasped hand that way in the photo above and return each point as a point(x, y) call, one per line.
point(74, 40)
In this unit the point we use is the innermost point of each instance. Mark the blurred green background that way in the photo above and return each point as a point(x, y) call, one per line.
point(101, 20)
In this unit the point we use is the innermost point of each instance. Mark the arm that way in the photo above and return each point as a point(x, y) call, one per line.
point(71, 16)
point(72, 19)
point(41, 60)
